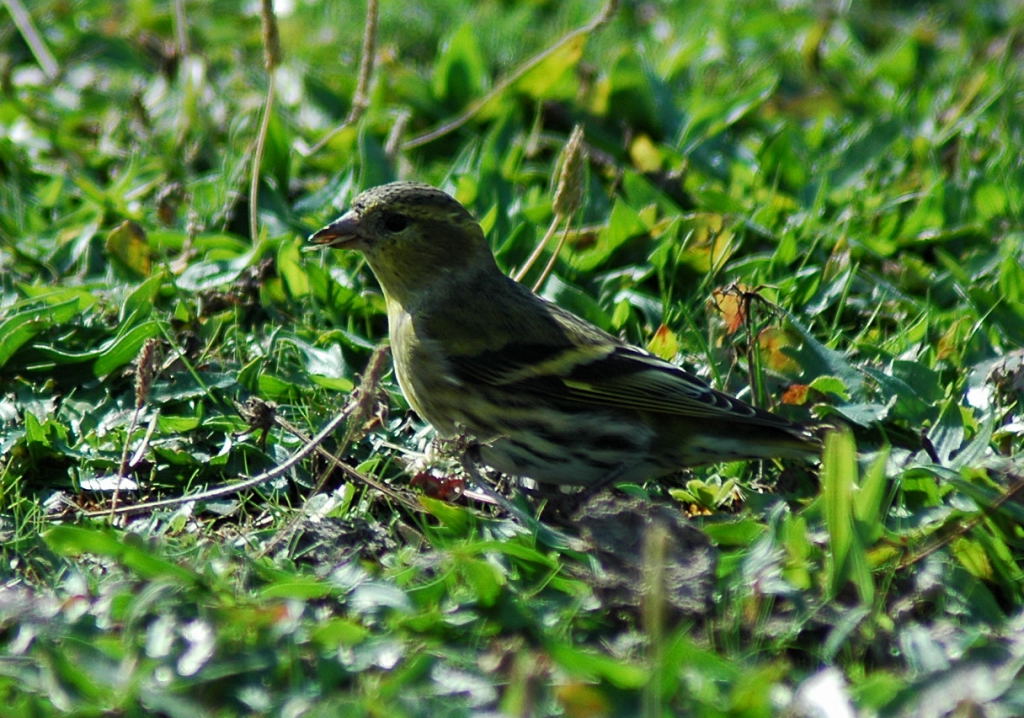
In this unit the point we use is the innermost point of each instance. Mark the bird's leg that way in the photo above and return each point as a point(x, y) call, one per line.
point(471, 461)
point(470, 464)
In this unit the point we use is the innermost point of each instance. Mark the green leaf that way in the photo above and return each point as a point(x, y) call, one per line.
point(124, 348)
point(862, 153)
point(623, 224)
point(867, 500)
point(972, 556)
point(817, 359)
point(454, 517)
point(539, 81)
point(298, 587)
point(460, 74)
point(979, 445)
point(20, 327)
point(339, 632)
point(575, 300)
point(126, 548)
point(210, 274)
point(177, 424)
point(990, 200)
point(830, 385)
point(141, 299)
point(591, 665)
point(291, 270)
point(742, 532)
point(63, 302)
point(277, 388)
point(375, 165)
point(514, 549)
point(847, 558)
point(664, 343)
point(127, 246)
point(485, 579)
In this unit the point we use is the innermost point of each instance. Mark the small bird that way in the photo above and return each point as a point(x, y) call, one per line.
point(547, 395)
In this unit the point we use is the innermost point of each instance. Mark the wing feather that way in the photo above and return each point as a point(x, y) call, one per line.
point(562, 359)
point(614, 376)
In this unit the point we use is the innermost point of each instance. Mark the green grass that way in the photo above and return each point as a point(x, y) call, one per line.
point(859, 169)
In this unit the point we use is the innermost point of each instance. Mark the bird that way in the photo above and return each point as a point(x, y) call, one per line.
point(542, 393)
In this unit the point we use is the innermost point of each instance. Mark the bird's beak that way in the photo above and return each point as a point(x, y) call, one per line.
point(342, 233)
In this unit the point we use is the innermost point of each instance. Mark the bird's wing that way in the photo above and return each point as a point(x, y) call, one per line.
point(560, 358)
point(605, 374)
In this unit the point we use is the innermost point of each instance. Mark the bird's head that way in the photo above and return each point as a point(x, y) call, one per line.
point(412, 235)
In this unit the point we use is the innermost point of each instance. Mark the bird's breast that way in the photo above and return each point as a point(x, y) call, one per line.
point(423, 372)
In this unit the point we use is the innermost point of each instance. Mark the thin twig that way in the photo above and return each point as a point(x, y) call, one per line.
point(567, 201)
point(180, 25)
point(363, 398)
point(361, 96)
point(257, 160)
point(538, 250)
point(1015, 488)
point(554, 254)
point(141, 449)
point(122, 468)
point(146, 368)
point(355, 404)
point(33, 39)
point(393, 143)
point(272, 57)
point(228, 489)
point(601, 19)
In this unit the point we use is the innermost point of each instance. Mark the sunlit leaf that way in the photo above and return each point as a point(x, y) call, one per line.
point(664, 343)
point(127, 244)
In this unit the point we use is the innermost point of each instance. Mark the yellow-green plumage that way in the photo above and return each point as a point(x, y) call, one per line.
point(547, 394)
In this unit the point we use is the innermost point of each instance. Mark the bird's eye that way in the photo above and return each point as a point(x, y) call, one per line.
point(394, 222)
